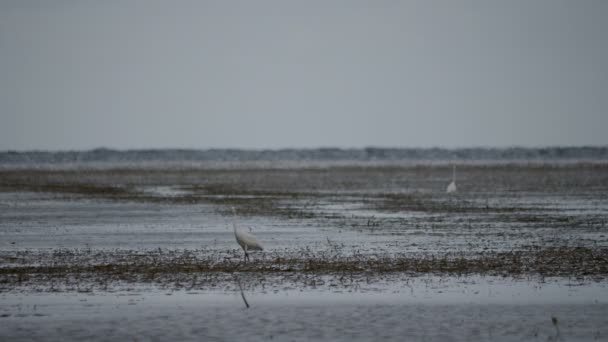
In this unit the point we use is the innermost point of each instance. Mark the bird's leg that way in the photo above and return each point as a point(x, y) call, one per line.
point(246, 256)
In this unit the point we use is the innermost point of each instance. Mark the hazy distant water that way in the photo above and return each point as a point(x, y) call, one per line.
point(286, 157)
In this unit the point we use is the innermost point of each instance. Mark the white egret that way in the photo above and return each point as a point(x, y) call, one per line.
point(246, 240)
point(452, 185)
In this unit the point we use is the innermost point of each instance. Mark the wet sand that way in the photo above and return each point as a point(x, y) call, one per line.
point(349, 253)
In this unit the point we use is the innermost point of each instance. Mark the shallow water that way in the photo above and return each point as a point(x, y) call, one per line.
point(341, 322)
point(427, 308)
point(298, 213)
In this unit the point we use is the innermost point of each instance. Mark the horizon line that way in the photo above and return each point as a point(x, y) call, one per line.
point(279, 149)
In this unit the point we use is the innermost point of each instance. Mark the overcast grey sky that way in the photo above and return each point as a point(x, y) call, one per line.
point(274, 74)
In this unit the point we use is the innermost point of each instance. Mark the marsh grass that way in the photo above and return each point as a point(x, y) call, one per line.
point(183, 268)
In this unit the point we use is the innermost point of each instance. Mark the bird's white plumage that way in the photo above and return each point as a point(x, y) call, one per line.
point(452, 186)
point(245, 239)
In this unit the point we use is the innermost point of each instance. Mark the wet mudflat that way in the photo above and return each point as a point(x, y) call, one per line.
point(351, 252)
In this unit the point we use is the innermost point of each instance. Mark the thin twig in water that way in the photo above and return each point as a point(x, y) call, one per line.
point(242, 293)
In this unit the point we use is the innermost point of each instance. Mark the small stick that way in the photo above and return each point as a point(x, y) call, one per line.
point(242, 294)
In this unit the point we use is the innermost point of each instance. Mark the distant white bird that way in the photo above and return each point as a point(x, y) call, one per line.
point(452, 185)
point(245, 239)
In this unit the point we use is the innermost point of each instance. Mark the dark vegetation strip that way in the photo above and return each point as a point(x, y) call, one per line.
point(151, 266)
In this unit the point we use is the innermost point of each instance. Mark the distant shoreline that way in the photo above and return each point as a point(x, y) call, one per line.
point(321, 157)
